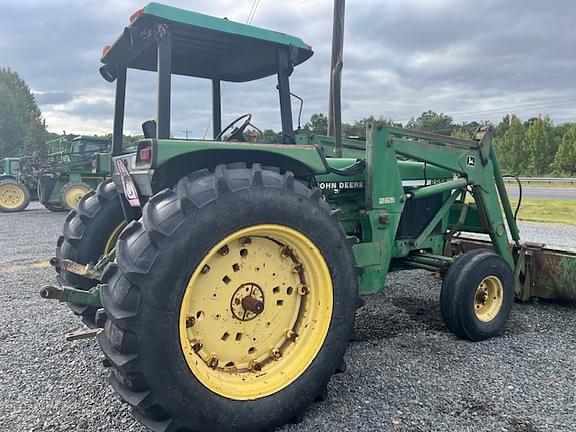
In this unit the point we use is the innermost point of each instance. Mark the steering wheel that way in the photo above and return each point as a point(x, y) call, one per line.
point(237, 133)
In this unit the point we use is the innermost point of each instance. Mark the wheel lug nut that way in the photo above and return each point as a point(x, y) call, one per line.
point(224, 250)
point(190, 321)
point(303, 290)
point(286, 251)
point(196, 346)
point(255, 366)
point(213, 363)
point(205, 269)
point(290, 335)
point(275, 353)
point(245, 240)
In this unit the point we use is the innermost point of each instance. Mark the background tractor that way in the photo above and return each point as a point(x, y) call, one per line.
point(18, 183)
point(68, 172)
point(222, 276)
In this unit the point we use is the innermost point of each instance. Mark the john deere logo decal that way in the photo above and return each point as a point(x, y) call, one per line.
point(341, 186)
point(471, 161)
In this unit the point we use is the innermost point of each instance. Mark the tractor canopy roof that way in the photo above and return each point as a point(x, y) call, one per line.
point(203, 46)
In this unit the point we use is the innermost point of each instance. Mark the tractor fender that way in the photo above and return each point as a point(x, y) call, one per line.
point(168, 173)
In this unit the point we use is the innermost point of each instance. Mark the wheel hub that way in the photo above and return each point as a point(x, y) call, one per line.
point(247, 302)
point(488, 298)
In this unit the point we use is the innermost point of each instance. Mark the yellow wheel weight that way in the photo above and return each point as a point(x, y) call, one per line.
point(11, 196)
point(488, 298)
point(256, 312)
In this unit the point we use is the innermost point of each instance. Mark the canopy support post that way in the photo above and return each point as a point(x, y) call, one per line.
point(119, 103)
point(216, 108)
point(164, 81)
point(284, 71)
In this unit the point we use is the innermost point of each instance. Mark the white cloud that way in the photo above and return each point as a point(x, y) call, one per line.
point(473, 61)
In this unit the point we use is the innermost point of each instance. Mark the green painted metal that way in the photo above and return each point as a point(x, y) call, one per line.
point(195, 19)
point(305, 158)
point(10, 166)
point(208, 47)
point(66, 294)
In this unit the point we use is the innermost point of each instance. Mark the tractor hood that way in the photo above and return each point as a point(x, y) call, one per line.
point(203, 46)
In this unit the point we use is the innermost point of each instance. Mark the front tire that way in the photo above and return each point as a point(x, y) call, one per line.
point(14, 196)
point(72, 193)
point(231, 304)
point(477, 295)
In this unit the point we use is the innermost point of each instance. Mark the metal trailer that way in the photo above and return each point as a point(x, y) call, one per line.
point(222, 276)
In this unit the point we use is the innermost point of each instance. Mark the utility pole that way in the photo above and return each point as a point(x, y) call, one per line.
point(186, 131)
point(335, 104)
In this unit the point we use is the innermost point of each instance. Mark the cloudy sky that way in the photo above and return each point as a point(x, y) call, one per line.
point(473, 60)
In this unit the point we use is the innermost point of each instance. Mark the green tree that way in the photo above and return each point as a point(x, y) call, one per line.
point(511, 148)
point(10, 132)
point(22, 128)
point(502, 127)
point(270, 136)
point(565, 159)
point(541, 145)
point(318, 124)
point(432, 122)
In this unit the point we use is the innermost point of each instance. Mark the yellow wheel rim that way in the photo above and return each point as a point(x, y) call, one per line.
point(11, 196)
point(488, 298)
point(113, 238)
point(256, 312)
point(74, 194)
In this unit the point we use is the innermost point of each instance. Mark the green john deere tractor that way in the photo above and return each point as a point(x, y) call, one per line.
point(222, 276)
point(16, 189)
point(68, 173)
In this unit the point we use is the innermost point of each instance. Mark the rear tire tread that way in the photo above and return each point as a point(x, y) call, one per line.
point(139, 245)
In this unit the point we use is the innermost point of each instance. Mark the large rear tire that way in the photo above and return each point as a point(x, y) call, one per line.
point(90, 231)
point(231, 303)
point(14, 196)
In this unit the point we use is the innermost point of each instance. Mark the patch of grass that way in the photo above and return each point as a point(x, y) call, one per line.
point(547, 210)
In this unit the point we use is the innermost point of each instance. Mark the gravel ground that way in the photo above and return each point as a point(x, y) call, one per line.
point(406, 372)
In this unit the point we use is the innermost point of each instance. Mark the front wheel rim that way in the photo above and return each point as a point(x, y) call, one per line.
point(11, 196)
point(256, 312)
point(488, 298)
point(74, 194)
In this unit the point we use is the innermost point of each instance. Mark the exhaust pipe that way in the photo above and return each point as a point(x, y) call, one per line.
point(335, 103)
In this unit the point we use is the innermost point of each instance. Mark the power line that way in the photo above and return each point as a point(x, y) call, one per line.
point(252, 12)
point(520, 107)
